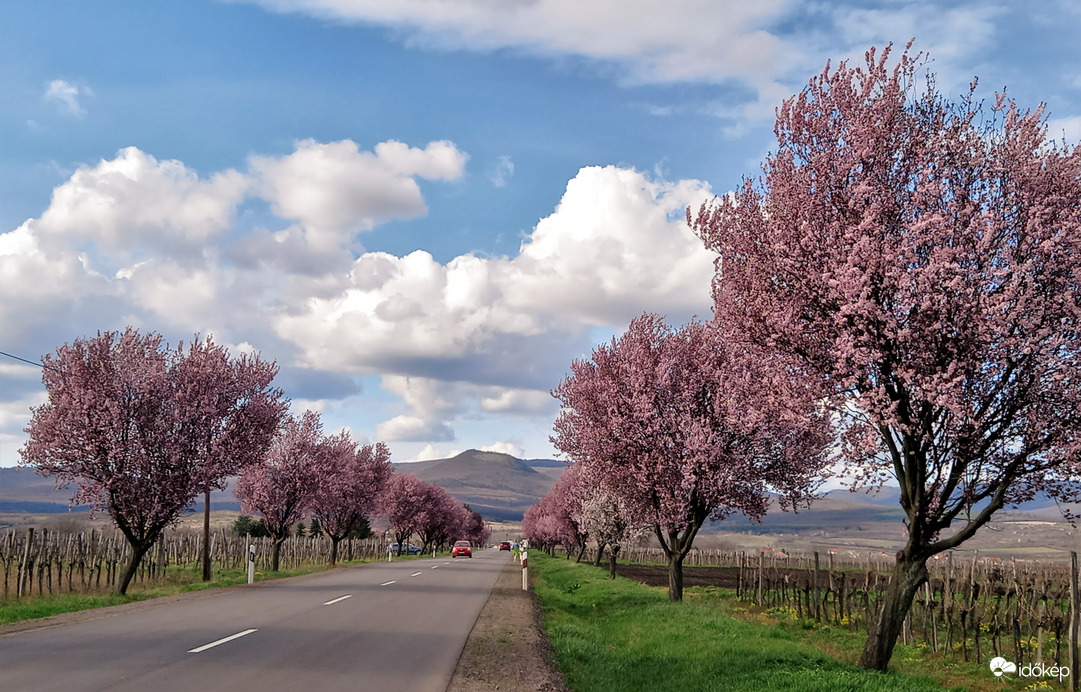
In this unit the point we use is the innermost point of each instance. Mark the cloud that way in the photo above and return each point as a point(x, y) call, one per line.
point(430, 452)
point(67, 95)
point(1065, 128)
point(676, 41)
point(617, 244)
point(510, 448)
point(504, 170)
point(14, 417)
point(429, 407)
point(135, 202)
point(148, 242)
point(335, 189)
point(493, 335)
point(526, 402)
point(757, 52)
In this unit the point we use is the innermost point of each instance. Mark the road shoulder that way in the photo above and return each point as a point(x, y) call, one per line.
point(507, 649)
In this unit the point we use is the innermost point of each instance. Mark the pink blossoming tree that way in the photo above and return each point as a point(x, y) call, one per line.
point(922, 257)
point(281, 486)
point(473, 528)
point(403, 504)
point(555, 519)
point(231, 415)
point(142, 429)
point(686, 425)
point(611, 522)
point(439, 518)
point(351, 482)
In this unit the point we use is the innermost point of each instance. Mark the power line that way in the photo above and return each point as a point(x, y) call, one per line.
point(29, 362)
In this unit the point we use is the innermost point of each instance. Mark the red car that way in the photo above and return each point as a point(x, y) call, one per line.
point(462, 548)
point(505, 545)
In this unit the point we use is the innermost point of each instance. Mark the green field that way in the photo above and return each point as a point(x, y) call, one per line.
point(620, 635)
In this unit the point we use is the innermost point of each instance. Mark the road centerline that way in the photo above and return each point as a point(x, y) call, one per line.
point(387, 583)
point(221, 641)
point(339, 599)
point(416, 574)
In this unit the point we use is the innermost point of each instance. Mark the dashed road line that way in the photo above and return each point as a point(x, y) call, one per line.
point(387, 583)
point(339, 599)
point(211, 645)
point(416, 574)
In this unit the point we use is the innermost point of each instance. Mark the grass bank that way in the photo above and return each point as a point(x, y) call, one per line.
point(620, 635)
point(180, 580)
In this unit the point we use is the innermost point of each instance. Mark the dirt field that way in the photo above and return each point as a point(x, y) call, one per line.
point(657, 575)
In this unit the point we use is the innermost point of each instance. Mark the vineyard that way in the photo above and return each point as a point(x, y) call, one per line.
point(973, 607)
point(47, 562)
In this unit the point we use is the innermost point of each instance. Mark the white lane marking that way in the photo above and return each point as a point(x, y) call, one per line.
point(387, 583)
point(435, 566)
point(416, 574)
point(211, 645)
point(339, 599)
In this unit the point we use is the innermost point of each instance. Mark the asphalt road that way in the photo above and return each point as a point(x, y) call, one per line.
point(380, 627)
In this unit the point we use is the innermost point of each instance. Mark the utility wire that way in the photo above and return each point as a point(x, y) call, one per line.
point(29, 362)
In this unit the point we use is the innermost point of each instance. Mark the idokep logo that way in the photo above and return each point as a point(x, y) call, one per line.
point(1000, 666)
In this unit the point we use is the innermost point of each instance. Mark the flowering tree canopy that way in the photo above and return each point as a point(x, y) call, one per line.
point(280, 488)
point(608, 519)
point(555, 519)
point(402, 504)
point(922, 258)
point(685, 425)
point(351, 480)
point(473, 528)
point(142, 429)
point(231, 415)
point(438, 517)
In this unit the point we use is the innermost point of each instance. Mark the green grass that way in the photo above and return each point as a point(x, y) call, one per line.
point(178, 580)
point(43, 606)
point(620, 635)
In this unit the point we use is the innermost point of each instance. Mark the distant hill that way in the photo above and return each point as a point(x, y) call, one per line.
point(498, 486)
point(23, 490)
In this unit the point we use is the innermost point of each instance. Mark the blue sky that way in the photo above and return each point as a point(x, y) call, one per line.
point(422, 210)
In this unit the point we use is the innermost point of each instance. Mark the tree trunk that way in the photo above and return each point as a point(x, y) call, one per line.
point(612, 552)
point(675, 577)
point(581, 551)
point(137, 553)
point(600, 554)
point(275, 553)
point(206, 535)
point(909, 574)
point(334, 550)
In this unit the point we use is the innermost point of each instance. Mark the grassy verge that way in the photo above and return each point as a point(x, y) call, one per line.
point(179, 580)
point(621, 635)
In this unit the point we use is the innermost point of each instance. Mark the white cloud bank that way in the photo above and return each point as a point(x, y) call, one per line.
point(766, 47)
point(136, 240)
point(679, 40)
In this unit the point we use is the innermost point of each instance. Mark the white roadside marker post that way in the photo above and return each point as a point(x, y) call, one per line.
point(251, 563)
point(525, 571)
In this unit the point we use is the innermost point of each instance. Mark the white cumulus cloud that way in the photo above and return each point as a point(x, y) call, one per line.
point(136, 201)
point(617, 244)
point(148, 242)
point(335, 188)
